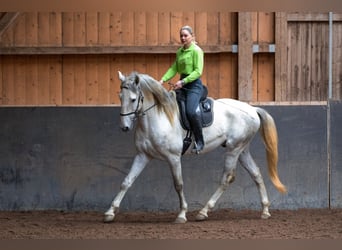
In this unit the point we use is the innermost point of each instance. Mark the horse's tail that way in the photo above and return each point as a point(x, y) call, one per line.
point(269, 135)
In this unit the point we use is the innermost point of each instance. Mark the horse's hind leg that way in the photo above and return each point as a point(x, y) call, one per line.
point(248, 163)
point(138, 165)
point(227, 178)
point(176, 170)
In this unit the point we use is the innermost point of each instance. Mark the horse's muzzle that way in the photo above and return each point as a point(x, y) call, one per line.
point(125, 129)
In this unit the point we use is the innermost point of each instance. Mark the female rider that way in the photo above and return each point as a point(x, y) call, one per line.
point(189, 64)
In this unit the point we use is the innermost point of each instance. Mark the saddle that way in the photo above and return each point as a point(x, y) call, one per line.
point(206, 108)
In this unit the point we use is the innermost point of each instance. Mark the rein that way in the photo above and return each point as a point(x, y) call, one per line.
point(136, 111)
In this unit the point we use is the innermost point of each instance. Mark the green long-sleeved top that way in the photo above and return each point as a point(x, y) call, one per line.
point(188, 62)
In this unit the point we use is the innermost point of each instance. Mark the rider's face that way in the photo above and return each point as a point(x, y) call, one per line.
point(185, 38)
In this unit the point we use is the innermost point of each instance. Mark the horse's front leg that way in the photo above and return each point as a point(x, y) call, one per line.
point(138, 165)
point(176, 169)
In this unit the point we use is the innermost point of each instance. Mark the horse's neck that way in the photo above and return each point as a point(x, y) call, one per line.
point(155, 121)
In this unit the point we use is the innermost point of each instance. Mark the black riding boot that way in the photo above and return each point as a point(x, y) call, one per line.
point(196, 125)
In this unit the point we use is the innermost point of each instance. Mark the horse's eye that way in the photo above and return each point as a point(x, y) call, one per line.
point(133, 100)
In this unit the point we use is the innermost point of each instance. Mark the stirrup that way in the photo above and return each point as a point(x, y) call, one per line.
point(197, 148)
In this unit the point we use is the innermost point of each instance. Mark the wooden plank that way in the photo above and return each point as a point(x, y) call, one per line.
point(104, 79)
point(337, 61)
point(255, 78)
point(55, 29)
point(80, 80)
point(235, 76)
point(212, 81)
point(266, 23)
point(8, 80)
point(43, 28)
point(68, 80)
point(164, 62)
point(92, 83)
point(265, 86)
point(281, 56)
point(151, 28)
point(201, 28)
point(188, 18)
point(92, 28)
point(140, 28)
point(115, 66)
point(212, 28)
point(105, 28)
point(176, 24)
point(127, 27)
point(68, 28)
point(19, 80)
point(31, 23)
point(1, 80)
point(43, 80)
point(140, 63)
point(255, 26)
point(294, 63)
point(79, 29)
point(31, 80)
point(164, 28)
point(20, 30)
point(245, 57)
point(56, 79)
point(152, 66)
point(225, 29)
point(116, 28)
point(225, 76)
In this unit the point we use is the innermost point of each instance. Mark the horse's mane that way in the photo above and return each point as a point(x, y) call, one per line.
point(154, 91)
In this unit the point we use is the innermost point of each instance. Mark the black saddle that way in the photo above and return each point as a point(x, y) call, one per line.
point(206, 107)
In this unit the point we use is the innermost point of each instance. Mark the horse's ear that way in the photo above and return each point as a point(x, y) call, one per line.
point(121, 76)
point(136, 79)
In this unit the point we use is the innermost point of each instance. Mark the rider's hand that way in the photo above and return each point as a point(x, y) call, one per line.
point(178, 85)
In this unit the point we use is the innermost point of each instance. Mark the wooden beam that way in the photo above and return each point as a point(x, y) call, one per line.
point(57, 50)
point(245, 57)
point(312, 17)
point(6, 21)
point(280, 56)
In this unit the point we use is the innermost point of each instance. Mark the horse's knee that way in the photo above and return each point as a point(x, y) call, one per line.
point(179, 187)
point(126, 185)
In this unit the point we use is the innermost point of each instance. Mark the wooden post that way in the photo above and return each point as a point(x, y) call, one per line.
point(280, 56)
point(245, 57)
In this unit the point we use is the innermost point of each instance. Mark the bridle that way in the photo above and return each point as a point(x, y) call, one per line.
point(136, 112)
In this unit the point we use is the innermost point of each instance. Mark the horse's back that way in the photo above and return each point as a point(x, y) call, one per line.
point(236, 108)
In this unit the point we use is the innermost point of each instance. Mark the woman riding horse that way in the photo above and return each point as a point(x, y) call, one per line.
point(189, 64)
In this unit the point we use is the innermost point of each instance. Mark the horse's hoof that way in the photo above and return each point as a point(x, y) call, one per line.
point(265, 216)
point(180, 220)
point(201, 217)
point(108, 218)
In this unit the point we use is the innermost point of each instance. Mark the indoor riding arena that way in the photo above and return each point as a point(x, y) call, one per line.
point(63, 155)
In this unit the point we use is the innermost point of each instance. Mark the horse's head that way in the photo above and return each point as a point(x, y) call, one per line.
point(131, 99)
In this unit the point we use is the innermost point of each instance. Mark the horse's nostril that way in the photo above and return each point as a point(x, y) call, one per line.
point(125, 129)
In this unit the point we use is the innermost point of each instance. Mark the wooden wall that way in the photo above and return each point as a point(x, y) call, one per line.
point(72, 58)
point(303, 60)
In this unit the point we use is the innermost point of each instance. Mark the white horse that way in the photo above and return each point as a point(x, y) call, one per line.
point(159, 134)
